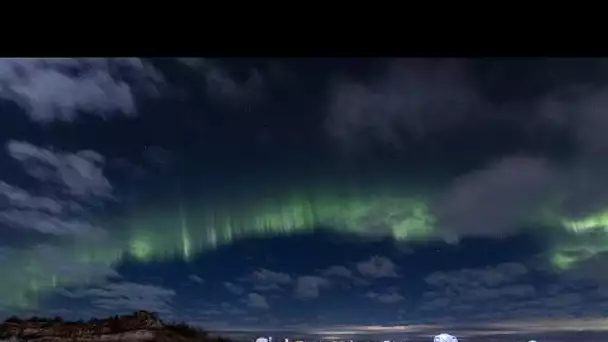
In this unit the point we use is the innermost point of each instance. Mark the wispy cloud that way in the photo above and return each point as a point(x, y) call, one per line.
point(67, 188)
point(75, 177)
point(196, 279)
point(416, 96)
point(255, 300)
point(51, 89)
point(466, 292)
point(48, 224)
point(128, 296)
point(80, 173)
point(308, 287)
point(390, 297)
point(20, 198)
point(344, 276)
point(267, 280)
point(378, 267)
point(223, 86)
point(234, 288)
point(338, 271)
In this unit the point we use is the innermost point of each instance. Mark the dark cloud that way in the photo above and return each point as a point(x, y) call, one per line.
point(390, 297)
point(255, 300)
point(127, 168)
point(223, 309)
point(196, 279)
point(231, 309)
point(226, 87)
point(57, 204)
point(470, 285)
point(378, 267)
point(64, 88)
point(560, 300)
point(506, 193)
point(308, 287)
point(49, 224)
point(413, 97)
point(152, 162)
point(343, 276)
point(22, 199)
point(81, 173)
point(76, 179)
point(338, 271)
point(127, 296)
point(491, 276)
point(512, 287)
point(157, 156)
point(209, 312)
point(267, 280)
point(560, 108)
point(498, 199)
point(587, 270)
point(577, 110)
point(234, 288)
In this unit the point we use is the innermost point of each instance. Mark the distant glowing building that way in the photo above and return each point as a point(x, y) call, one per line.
point(445, 338)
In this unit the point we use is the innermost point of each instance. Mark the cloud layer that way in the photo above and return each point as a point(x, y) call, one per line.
point(411, 97)
point(64, 88)
point(80, 173)
point(377, 267)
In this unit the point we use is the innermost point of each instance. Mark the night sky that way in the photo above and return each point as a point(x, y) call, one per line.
point(317, 197)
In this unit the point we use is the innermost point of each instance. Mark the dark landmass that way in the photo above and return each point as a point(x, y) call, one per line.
point(139, 326)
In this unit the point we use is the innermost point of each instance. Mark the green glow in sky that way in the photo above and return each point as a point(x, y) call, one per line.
point(588, 236)
point(567, 255)
point(33, 271)
point(563, 261)
point(202, 226)
point(598, 221)
point(141, 249)
point(182, 230)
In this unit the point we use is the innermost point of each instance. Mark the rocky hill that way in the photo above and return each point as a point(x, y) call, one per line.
point(140, 326)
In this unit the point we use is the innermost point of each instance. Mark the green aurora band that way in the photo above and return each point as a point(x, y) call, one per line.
point(586, 238)
point(205, 228)
point(183, 230)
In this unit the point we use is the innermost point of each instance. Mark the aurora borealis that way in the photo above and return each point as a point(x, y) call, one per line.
point(185, 232)
point(320, 196)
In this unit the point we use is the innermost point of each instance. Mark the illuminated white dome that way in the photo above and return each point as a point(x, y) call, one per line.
point(445, 338)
